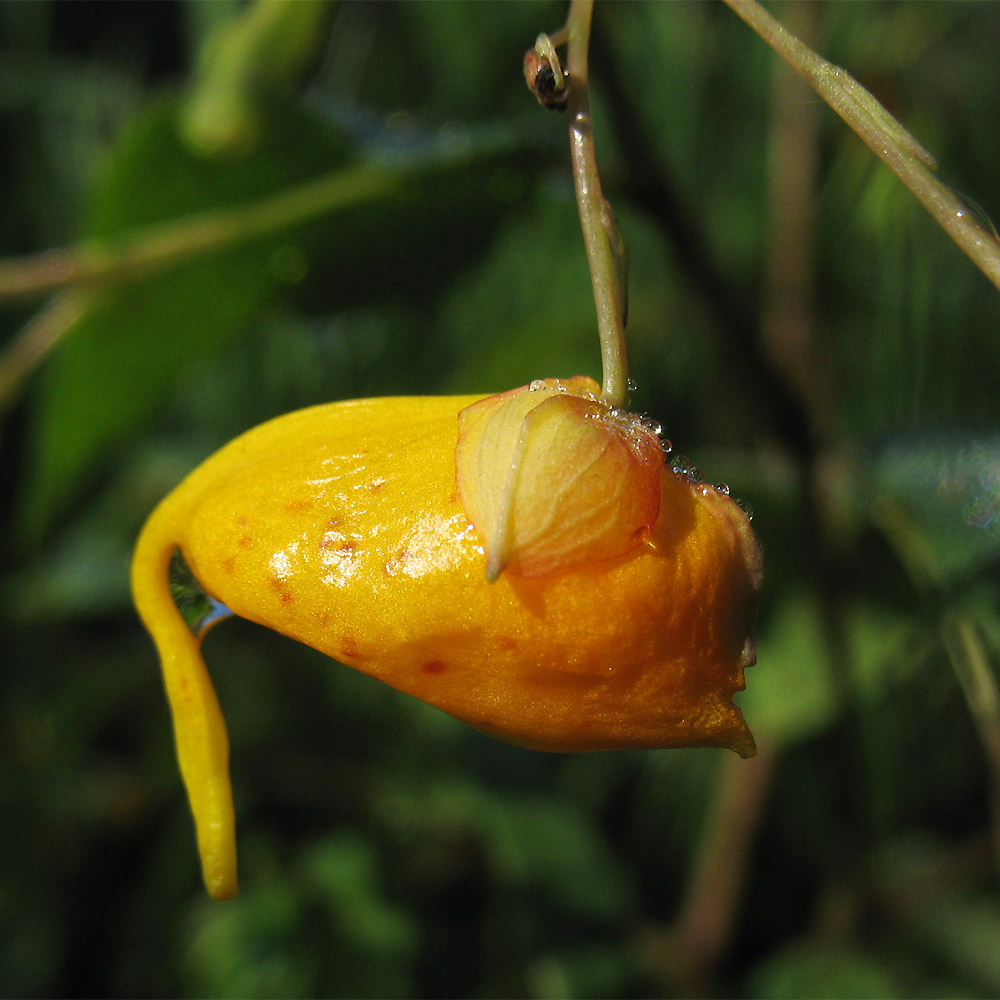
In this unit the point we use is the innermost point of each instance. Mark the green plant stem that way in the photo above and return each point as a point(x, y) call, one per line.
point(887, 139)
point(36, 339)
point(963, 640)
point(136, 254)
point(971, 663)
point(79, 271)
point(596, 217)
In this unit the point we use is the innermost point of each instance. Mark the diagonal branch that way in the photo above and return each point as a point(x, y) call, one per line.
point(136, 254)
point(886, 138)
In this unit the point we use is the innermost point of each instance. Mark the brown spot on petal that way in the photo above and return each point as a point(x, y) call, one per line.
point(435, 667)
point(284, 595)
point(293, 506)
point(507, 642)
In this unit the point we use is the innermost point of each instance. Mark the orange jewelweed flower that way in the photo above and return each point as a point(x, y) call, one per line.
point(622, 595)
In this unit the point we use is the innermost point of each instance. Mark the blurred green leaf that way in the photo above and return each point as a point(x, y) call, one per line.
point(790, 692)
point(965, 932)
point(584, 972)
point(332, 922)
point(940, 501)
point(252, 948)
point(527, 311)
point(342, 872)
point(120, 358)
point(811, 971)
point(952, 926)
point(549, 849)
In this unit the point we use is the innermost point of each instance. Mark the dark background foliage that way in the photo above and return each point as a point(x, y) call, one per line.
point(798, 325)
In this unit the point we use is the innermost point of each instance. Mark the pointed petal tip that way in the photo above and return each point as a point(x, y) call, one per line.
point(494, 567)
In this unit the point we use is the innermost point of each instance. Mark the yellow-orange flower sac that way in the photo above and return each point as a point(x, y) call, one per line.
point(342, 526)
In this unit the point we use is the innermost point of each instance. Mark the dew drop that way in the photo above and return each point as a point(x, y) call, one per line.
point(723, 488)
point(695, 474)
point(746, 508)
point(535, 384)
point(667, 445)
point(681, 464)
point(631, 385)
point(199, 610)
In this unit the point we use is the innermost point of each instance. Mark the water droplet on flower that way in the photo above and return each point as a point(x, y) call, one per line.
point(653, 426)
point(631, 385)
point(723, 488)
point(199, 610)
point(681, 464)
point(535, 384)
point(695, 474)
point(746, 508)
point(667, 445)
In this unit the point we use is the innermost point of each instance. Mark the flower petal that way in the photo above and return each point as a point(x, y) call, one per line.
point(554, 478)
